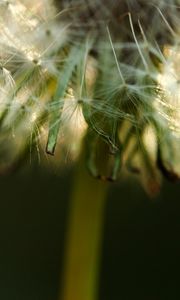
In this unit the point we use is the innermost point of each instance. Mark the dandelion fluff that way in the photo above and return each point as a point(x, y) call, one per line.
point(92, 67)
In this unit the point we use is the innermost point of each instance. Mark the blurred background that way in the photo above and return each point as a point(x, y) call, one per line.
point(141, 243)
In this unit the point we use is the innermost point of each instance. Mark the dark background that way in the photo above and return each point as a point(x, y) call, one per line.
point(141, 245)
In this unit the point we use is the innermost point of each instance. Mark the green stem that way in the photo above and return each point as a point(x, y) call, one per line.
point(84, 237)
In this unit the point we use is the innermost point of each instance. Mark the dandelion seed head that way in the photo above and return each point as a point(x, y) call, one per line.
point(108, 70)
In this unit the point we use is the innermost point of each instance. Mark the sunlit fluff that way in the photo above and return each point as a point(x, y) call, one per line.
point(67, 73)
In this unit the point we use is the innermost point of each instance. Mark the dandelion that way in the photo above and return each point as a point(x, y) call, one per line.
point(55, 46)
point(49, 48)
point(103, 74)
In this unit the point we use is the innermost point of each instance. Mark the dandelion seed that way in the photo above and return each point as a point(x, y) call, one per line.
point(119, 70)
point(137, 44)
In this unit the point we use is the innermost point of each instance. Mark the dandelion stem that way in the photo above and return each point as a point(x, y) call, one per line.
point(84, 237)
